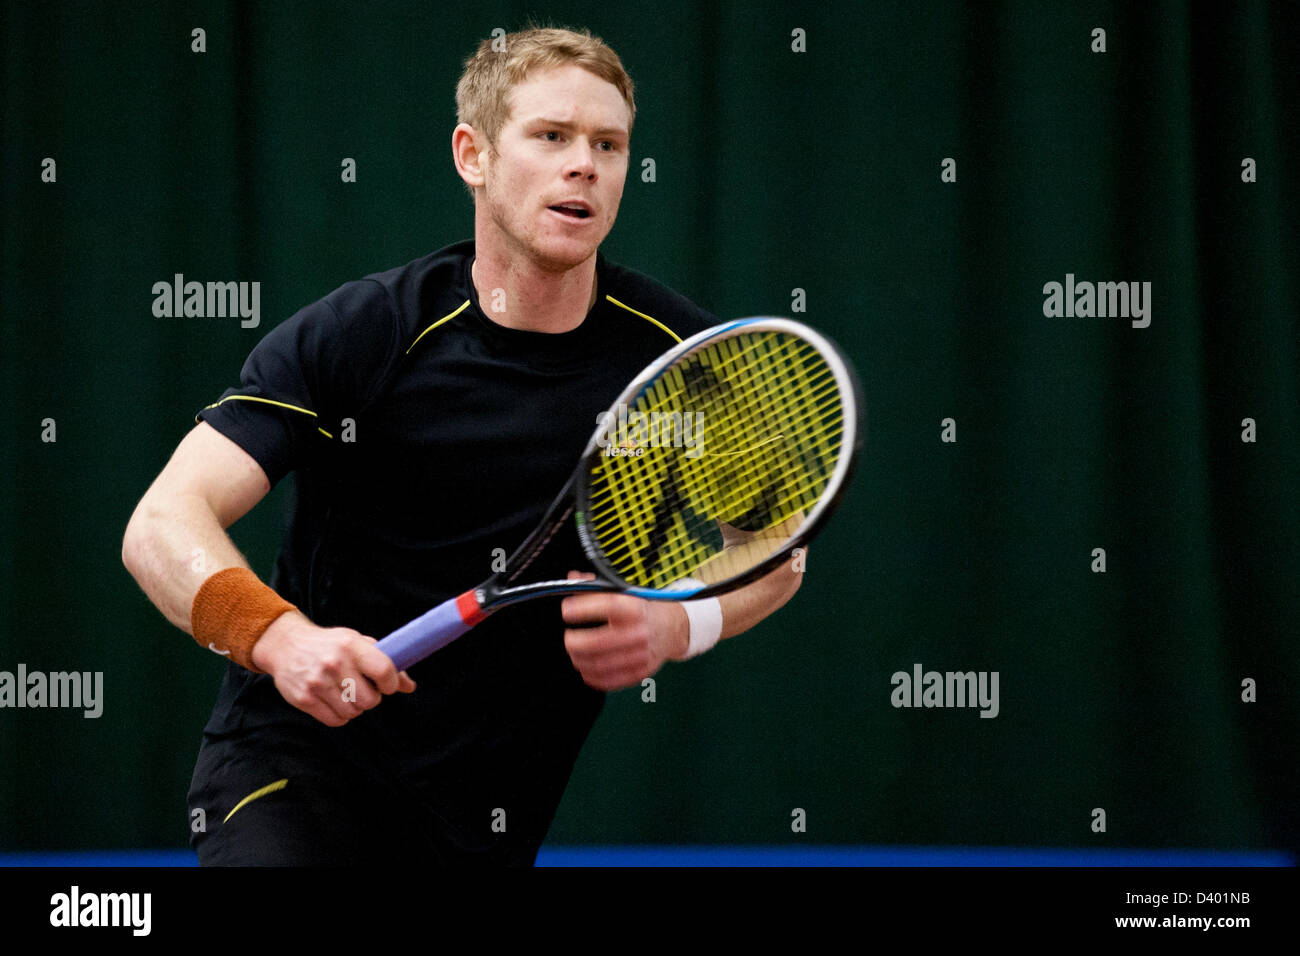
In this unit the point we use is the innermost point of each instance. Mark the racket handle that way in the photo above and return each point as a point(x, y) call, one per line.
point(432, 630)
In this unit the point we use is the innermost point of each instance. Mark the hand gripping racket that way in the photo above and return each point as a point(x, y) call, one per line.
point(718, 460)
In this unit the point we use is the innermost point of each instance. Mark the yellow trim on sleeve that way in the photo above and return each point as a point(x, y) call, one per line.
point(445, 318)
point(676, 338)
point(269, 788)
point(267, 401)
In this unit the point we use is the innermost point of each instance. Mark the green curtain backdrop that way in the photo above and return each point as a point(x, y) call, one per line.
point(776, 171)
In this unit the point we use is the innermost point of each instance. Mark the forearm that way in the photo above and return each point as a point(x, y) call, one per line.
point(743, 608)
point(171, 547)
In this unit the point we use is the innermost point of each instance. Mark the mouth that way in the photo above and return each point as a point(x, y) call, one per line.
point(572, 210)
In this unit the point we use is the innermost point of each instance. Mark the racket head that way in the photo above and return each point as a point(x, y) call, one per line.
point(747, 437)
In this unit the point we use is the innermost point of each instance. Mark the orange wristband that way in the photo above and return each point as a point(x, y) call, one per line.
point(232, 611)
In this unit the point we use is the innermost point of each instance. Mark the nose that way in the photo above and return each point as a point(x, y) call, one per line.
point(579, 163)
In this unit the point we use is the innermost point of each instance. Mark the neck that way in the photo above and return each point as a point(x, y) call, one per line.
point(534, 299)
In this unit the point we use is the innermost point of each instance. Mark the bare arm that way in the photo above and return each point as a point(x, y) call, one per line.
point(744, 608)
point(176, 540)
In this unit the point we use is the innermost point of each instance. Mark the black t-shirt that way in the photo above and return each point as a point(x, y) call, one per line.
point(426, 441)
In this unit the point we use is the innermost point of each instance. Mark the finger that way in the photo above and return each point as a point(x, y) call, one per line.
point(625, 609)
point(580, 576)
point(322, 712)
point(325, 715)
point(379, 668)
point(345, 693)
point(605, 663)
point(602, 663)
point(595, 641)
point(633, 659)
point(613, 678)
point(585, 608)
point(357, 685)
point(404, 683)
point(364, 693)
point(600, 608)
point(354, 696)
point(315, 698)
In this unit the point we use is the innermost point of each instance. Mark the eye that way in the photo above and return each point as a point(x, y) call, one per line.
point(550, 135)
point(607, 146)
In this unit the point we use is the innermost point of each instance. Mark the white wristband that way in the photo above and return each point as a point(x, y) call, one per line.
point(706, 625)
point(705, 619)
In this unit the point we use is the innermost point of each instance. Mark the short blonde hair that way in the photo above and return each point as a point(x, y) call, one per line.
point(483, 93)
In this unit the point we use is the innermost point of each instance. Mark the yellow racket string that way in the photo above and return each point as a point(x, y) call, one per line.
point(745, 432)
point(756, 446)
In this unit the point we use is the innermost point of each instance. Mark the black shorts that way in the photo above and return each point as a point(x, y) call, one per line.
point(302, 795)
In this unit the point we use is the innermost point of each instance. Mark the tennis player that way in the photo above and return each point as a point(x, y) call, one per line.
point(429, 414)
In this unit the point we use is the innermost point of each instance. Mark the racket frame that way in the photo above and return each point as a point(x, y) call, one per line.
point(573, 502)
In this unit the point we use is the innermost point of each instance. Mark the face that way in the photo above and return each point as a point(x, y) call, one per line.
point(554, 178)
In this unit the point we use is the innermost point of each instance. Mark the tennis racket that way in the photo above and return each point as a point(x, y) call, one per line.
point(719, 459)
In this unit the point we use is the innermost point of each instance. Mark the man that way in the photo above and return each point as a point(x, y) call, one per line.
point(429, 414)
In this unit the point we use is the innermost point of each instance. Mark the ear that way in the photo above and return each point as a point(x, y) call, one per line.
point(469, 153)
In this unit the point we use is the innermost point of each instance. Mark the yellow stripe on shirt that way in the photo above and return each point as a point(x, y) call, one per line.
point(676, 338)
point(267, 401)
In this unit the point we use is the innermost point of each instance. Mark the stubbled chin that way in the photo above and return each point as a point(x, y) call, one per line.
point(557, 261)
point(565, 252)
